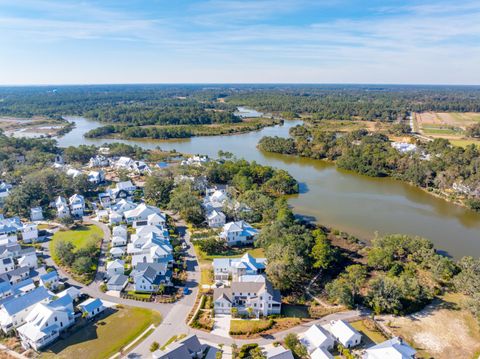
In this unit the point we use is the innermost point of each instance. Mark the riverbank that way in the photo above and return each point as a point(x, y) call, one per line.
point(125, 131)
point(37, 126)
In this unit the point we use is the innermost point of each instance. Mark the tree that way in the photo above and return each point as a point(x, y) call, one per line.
point(187, 204)
point(293, 343)
point(157, 190)
point(161, 289)
point(346, 288)
point(322, 252)
point(154, 346)
point(249, 311)
point(82, 265)
point(234, 312)
point(64, 252)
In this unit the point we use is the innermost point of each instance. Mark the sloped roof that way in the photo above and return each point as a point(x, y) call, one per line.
point(394, 348)
point(16, 305)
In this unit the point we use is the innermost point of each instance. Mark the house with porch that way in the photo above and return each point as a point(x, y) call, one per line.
point(147, 277)
point(261, 297)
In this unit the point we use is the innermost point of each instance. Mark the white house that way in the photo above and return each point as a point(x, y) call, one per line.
point(234, 268)
point(394, 348)
point(216, 219)
point(321, 353)
point(4, 191)
point(195, 161)
point(62, 207)
point(344, 333)
point(96, 177)
point(50, 280)
point(147, 277)
point(72, 172)
point(115, 267)
point(45, 322)
point(259, 296)
point(125, 163)
point(14, 310)
point(126, 186)
point(36, 214)
point(29, 232)
point(120, 231)
point(6, 265)
point(115, 218)
point(77, 205)
point(157, 219)
point(98, 161)
point(139, 215)
point(317, 337)
point(238, 233)
point(73, 292)
point(118, 241)
point(117, 252)
point(92, 307)
point(28, 258)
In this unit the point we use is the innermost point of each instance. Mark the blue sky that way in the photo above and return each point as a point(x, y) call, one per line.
point(160, 41)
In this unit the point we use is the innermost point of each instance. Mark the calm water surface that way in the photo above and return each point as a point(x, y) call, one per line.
point(353, 203)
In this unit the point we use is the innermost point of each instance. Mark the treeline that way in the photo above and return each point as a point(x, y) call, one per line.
point(342, 102)
point(178, 131)
point(437, 165)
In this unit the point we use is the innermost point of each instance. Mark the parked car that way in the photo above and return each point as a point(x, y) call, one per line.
point(185, 291)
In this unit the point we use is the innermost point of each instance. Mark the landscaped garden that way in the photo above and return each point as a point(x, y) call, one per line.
point(105, 336)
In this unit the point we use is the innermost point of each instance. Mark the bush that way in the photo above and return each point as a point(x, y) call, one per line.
point(154, 347)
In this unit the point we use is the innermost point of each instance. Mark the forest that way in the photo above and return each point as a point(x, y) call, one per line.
point(202, 104)
point(436, 165)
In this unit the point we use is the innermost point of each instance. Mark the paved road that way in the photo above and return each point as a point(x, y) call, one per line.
point(174, 315)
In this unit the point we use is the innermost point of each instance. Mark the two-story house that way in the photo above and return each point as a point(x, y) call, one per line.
point(238, 233)
point(226, 269)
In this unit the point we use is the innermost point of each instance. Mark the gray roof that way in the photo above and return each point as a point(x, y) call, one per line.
point(247, 287)
point(118, 279)
point(182, 349)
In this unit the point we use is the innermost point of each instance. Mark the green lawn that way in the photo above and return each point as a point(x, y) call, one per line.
point(140, 295)
point(249, 326)
point(79, 237)
point(465, 143)
point(105, 336)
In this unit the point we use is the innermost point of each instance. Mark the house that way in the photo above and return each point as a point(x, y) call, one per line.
point(259, 296)
point(139, 215)
point(216, 219)
point(238, 233)
point(23, 287)
point(36, 214)
point(28, 258)
point(147, 277)
point(114, 218)
point(102, 215)
point(344, 333)
point(126, 186)
point(91, 307)
point(105, 199)
point(120, 231)
point(187, 348)
point(157, 219)
point(321, 353)
point(125, 163)
point(151, 249)
point(195, 161)
point(77, 205)
point(59, 160)
point(225, 269)
point(404, 147)
point(141, 167)
point(29, 232)
point(73, 292)
point(10, 250)
point(9, 229)
point(6, 265)
point(98, 161)
point(45, 322)
point(271, 351)
point(394, 348)
point(14, 311)
point(62, 207)
point(117, 282)
point(317, 337)
point(50, 280)
point(123, 206)
point(4, 191)
point(72, 172)
point(119, 241)
point(117, 252)
point(96, 177)
point(16, 275)
point(115, 267)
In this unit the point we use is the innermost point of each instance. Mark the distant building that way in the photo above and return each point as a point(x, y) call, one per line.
point(36, 214)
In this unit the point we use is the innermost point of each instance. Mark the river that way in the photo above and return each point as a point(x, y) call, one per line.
point(340, 199)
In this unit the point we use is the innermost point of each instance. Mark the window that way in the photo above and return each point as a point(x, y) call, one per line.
point(56, 319)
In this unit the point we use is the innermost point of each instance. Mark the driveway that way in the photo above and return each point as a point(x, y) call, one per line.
point(221, 327)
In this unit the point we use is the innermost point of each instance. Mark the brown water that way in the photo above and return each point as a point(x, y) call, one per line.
point(353, 203)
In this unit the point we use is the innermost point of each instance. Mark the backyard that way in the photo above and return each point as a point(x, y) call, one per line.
point(105, 336)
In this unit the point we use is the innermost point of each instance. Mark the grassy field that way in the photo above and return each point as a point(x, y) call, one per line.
point(370, 336)
point(465, 143)
point(106, 336)
point(79, 237)
point(255, 328)
point(442, 330)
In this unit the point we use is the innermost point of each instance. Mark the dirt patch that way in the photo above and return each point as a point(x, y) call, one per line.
point(442, 330)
